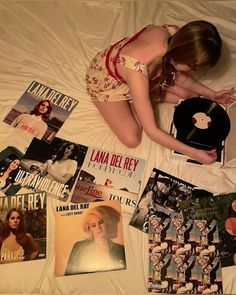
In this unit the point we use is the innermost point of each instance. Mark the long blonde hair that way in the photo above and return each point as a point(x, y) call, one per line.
point(111, 219)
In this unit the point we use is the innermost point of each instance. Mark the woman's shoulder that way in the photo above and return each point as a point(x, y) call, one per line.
point(82, 244)
point(156, 29)
point(164, 28)
point(24, 115)
point(44, 124)
point(154, 37)
point(172, 29)
point(72, 163)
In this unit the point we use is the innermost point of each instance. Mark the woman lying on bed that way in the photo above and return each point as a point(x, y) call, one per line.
point(154, 63)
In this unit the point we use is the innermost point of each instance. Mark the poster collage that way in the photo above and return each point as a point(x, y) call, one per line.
point(190, 235)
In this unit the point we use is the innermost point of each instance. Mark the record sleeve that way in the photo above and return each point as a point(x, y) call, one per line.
point(23, 225)
point(166, 194)
point(94, 241)
point(201, 123)
point(184, 256)
point(222, 208)
point(40, 111)
point(226, 152)
point(10, 164)
point(107, 175)
point(53, 167)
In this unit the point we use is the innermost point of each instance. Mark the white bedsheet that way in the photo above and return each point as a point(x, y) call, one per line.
point(52, 42)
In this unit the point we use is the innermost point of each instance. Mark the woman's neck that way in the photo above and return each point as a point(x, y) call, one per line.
point(64, 158)
point(12, 235)
point(101, 240)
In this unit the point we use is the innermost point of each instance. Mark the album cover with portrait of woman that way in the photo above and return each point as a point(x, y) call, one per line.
point(120, 171)
point(107, 175)
point(23, 225)
point(10, 163)
point(53, 168)
point(41, 111)
point(88, 238)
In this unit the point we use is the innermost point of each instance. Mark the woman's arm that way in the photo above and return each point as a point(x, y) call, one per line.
point(191, 84)
point(139, 89)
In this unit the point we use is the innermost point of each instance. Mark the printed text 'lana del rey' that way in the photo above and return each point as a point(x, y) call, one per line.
point(34, 201)
point(114, 160)
point(57, 98)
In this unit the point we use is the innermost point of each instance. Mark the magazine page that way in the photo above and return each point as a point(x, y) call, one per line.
point(109, 176)
point(163, 193)
point(90, 192)
point(41, 111)
point(183, 259)
point(223, 209)
point(23, 224)
point(95, 240)
point(53, 167)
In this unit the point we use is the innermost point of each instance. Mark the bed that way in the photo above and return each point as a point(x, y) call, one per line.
point(53, 42)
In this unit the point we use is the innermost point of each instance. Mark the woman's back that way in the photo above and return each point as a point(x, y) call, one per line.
point(148, 48)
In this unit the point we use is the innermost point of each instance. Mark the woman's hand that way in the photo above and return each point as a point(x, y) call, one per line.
point(205, 157)
point(49, 164)
point(224, 97)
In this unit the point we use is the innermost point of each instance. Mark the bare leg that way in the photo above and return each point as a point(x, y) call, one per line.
point(120, 118)
point(135, 114)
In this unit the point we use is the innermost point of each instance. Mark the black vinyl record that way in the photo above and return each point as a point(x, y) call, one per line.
point(201, 123)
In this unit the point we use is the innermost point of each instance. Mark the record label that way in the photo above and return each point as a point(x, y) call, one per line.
point(201, 123)
point(201, 120)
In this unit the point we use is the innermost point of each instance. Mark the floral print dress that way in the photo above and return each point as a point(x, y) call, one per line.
point(103, 80)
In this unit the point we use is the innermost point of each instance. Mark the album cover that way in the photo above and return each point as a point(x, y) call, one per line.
point(219, 135)
point(113, 169)
point(184, 256)
point(222, 208)
point(107, 175)
point(10, 162)
point(95, 241)
point(53, 168)
point(41, 111)
point(165, 194)
point(23, 224)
